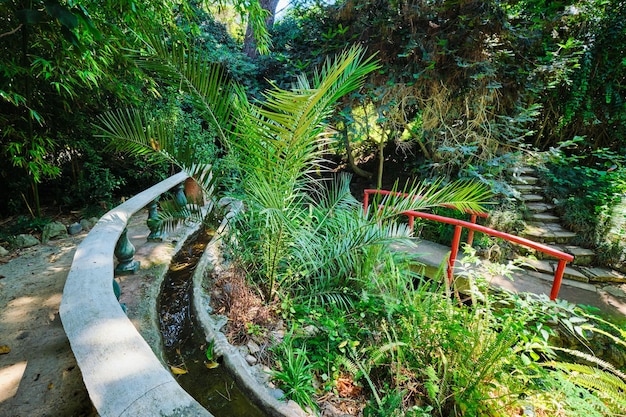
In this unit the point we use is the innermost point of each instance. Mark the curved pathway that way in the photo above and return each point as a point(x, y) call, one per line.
point(39, 376)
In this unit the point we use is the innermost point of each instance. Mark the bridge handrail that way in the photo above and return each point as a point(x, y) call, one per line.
point(472, 226)
point(473, 214)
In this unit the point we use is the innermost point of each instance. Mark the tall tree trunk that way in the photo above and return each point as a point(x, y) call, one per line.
point(249, 43)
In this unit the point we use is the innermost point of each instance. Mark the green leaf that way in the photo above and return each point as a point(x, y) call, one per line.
point(62, 14)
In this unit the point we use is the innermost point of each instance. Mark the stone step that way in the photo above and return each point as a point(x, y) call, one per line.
point(582, 256)
point(603, 275)
point(549, 267)
point(522, 170)
point(539, 265)
point(527, 188)
point(539, 207)
point(531, 198)
point(547, 232)
point(544, 217)
point(574, 274)
point(525, 179)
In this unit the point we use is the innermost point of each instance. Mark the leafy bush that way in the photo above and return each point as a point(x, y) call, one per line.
point(586, 188)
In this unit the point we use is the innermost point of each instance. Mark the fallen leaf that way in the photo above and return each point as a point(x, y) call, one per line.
point(211, 365)
point(178, 371)
point(4, 349)
point(50, 385)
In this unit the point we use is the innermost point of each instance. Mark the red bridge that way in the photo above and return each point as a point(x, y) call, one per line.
point(472, 227)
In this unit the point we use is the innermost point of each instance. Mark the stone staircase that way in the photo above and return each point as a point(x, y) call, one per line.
point(543, 225)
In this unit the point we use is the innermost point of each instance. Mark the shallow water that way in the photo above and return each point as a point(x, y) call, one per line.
point(184, 342)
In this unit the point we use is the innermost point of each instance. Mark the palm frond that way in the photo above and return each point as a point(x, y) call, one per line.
point(593, 359)
point(131, 131)
point(346, 72)
point(207, 83)
point(135, 132)
point(461, 195)
point(288, 130)
point(619, 338)
point(321, 295)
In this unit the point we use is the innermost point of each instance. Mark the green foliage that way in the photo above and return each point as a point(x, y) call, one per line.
point(586, 188)
point(294, 374)
point(409, 342)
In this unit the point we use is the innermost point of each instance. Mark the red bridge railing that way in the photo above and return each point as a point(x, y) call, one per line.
point(472, 227)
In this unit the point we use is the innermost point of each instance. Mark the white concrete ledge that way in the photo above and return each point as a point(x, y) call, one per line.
point(121, 373)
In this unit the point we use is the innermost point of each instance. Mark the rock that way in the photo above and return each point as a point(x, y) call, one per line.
point(53, 230)
point(75, 228)
point(251, 360)
point(86, 224)
point(310, 331)
point(243, 350)
point(26, 241)
point(3, 251)
point(277, 393)
point(277, 336)
point(253, 347)
point(615, 291)
point(330, 410)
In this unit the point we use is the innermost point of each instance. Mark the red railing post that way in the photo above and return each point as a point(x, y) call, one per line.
point(454, 251)
point(470, 232)
point(366, 199)
point(411, 221)
point(558, 277)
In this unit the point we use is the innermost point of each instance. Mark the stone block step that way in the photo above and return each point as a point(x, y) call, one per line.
point(574, 274)
point(548, 267)
point(547, 232)
point(539, 265)
point(525, 179)
point(531, 198)
point(603, 275)
point(527, 188)
point(544, 217)
point(522, 170)
point(582, 256)
point(539, 207)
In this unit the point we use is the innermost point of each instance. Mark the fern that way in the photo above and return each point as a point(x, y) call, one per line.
point(604, 380)
point(604, 384)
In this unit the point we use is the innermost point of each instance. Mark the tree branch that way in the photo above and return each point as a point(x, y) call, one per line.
point(12, 32)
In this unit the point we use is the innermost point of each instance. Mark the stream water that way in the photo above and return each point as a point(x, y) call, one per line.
point(185, 344)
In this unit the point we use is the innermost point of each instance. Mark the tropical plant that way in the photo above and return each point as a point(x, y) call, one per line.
point(294, 374)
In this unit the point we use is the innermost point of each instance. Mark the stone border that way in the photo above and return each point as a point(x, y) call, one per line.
point(252, 386)
point(120, 370)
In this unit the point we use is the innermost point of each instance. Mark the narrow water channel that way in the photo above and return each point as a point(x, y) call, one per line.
point(184, 341)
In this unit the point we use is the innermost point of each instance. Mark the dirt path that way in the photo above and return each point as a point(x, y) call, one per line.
point(39, 376)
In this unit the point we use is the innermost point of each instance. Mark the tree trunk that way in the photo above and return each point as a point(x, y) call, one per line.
point(249, 43)
point(381, 163)
point(358, 171)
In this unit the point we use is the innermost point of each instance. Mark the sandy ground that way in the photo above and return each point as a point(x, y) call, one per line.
point(39, 375)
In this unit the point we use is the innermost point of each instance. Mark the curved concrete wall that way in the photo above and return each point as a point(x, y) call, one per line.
point(121, 373)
